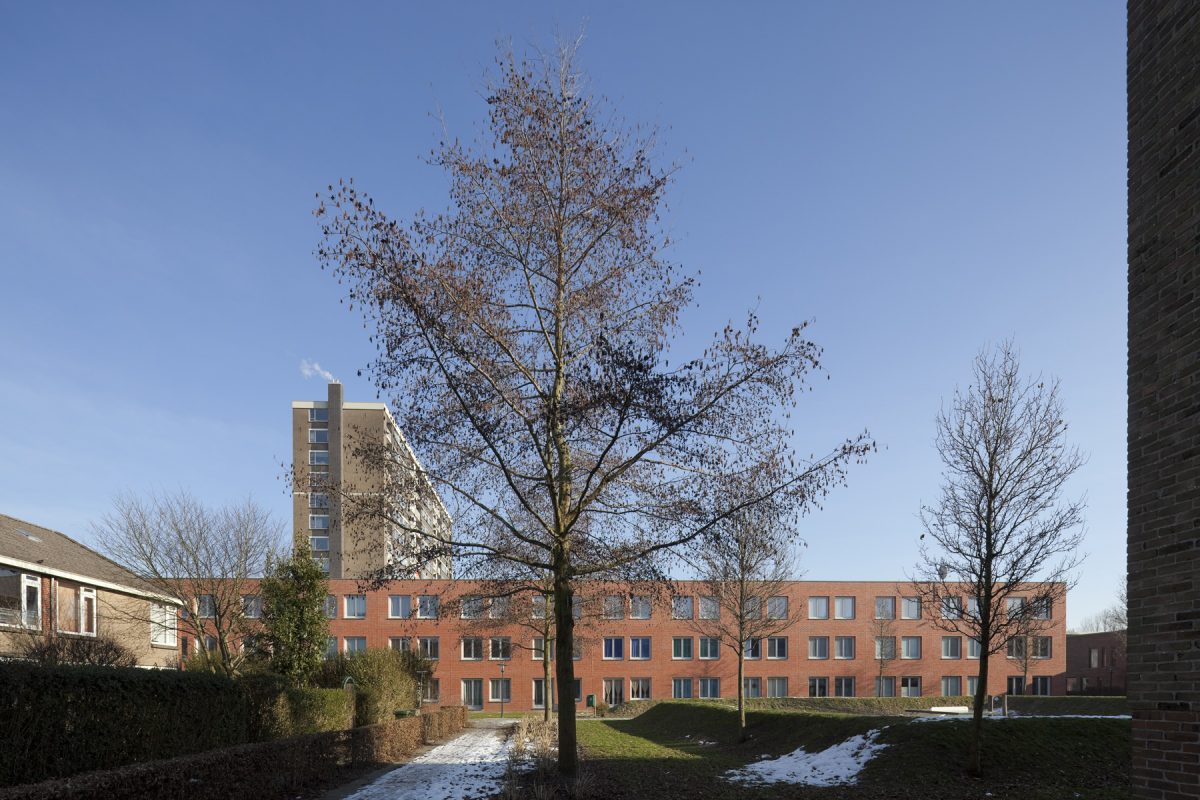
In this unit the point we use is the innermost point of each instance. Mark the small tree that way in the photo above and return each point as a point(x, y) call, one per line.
point(200, 556)
point(884, 630)
point(999, 532)
point(293, 615)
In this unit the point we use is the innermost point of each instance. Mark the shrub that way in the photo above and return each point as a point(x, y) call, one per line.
point(385, 682)
point(279, 710)
point(97, 651)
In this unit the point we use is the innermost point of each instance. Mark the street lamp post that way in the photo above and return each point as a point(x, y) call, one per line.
point(501, 691)
point(422, 675)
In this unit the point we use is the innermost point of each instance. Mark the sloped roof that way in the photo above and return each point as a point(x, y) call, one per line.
point(43, 549)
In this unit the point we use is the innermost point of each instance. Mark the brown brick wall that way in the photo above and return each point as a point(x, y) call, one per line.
point(1109, 674)
point(1164, 395)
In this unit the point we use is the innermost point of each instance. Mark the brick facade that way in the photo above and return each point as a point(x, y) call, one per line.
point(1164, 395)
point(1096, 663)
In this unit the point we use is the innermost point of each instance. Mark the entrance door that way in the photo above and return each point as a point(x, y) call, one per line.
point(472, 693)
point(614, 691)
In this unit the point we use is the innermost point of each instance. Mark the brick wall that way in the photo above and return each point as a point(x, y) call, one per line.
point(1164, 395)
point(1107, 651)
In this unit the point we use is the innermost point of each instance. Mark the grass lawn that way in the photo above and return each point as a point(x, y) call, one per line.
point(681, 750)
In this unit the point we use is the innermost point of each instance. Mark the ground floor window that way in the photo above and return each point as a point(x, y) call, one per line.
point(1041, 684)
point(431, 691)
point(710, 688)
point(885, 687)
point(951, 686)
point(1016, 684)
point(614, 691)
point(500, 690)
point(818, 687)
point(355, 644)
point(681, 688)
point(539, 693)
point(400, 644)
point(472, 693)
point(639, 688)
point(777, 687)
point(843, 687)
point(972, 685)
point(162, 625)
point(910, 686)
point(752, 687)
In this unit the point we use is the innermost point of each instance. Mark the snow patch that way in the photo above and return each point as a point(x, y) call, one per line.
point(836, 766)
point(470, 766)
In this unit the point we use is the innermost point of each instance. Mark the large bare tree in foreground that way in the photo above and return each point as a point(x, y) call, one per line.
point(999, 534)
point(198, 555)
point(524, 339)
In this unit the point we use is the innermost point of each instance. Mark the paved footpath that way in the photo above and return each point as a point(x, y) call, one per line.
point(469, 766)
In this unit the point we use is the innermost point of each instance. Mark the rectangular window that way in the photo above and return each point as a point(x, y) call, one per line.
point(431, 692)
point(501, 648)
point(576, 607)
point(777, 647)
point(885, 648)
point(614, 607)
point(319, 545)
point(330, 607)
point(639, 688)
point(910, 608)
point(318, 478)
point(751, 688)
point(951, 608)
point(318, 457)
point(318, 435)
point(1041, 647)
point(354, 644)
point(777, 608)
point(777, 687)
point(885, 687)
point(77, 609)
point(843, 608)
point(499, 607)
point(951, 647)
point(973, 648)
point(318, 414)
point(208, 607)
point(818, 687)
point(1015, 648)
point(539, 693)
point(910, 686)
point(162, 625)
point(399, 606)
point(318, 500)
point(681, 688)
point(818, 647)
point(251, 606)
point(318, 522)
point(1016, 684)
point(356, 606)
point(401, 644)
point(752, 608)
point(843, 647)
point(972, 685)
point(910, 647)
point(472, 693)
point(752, 648)
point(710, 648)
point(538, 610)
point(639, 648)
point(1041, 608)
point(614, 648)
point(31, 602)
point(330, 647)
point(1041, 684)
point(1094, 657)
point(681, 648)
point(500, 690)
point(843, 687)
point(428, 647)
point(538, 649)
point(427, 606)
point(709, 608)
point(951, 686)
point(472, 607)
point(1015, 606)
point(818, 608)
point(885, 608)
point(681, 608)
point(639, 607)
point(472, 648)
point(710, 688)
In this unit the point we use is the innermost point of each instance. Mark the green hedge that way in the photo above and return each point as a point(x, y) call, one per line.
point(279, 710)
point(265, 771)
point(384, 681)
point(60, 721)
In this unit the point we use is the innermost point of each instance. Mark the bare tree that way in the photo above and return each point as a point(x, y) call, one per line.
point(200, 556)
point(999, 534)
point(884, 631)
point(524, 337)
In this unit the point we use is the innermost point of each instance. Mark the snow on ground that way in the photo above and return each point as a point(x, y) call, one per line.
point(1015, 715)
point(473, 765)
point(838, 765)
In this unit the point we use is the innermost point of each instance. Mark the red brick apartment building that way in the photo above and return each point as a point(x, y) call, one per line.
point(641, 647)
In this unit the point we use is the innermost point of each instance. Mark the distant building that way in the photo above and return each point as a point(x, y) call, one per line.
point(324, 436)
point(1096, 663)
point(51, 585)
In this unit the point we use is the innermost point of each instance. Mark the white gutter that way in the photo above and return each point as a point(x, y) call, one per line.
point(28, 566)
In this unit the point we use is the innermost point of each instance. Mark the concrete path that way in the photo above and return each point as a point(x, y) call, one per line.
point(469, 766)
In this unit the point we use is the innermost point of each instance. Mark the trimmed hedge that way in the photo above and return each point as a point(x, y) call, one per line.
point(279, 710)
point(867, 706)
point(64, 720)
point(266, 771)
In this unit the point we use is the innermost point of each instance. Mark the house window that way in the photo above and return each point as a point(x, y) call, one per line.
point(818, 647)
point(319, 544)
point(951, 647)
point(777, 647)
point(539, 649)
point(354, 644)
point(472, 607)
point(639, 607)
point(885, 687)
point(500, 690)
point(539, 693)
point(538, 609)
point(614, 607)
point(318, 522)
point(399, 606)
point(318, 435)
point(401, 644)
point(681, 648)
point(639, 648)
point(472, 692)
point(432, 691)
point(1015, 607)
point(207, 607)
point(613, 691)
point(951, 608)
point(751, 687)
point(818, 608)
point(1041, 647)
point(499, 607)
point(843, 687)
point(162, 625)
point(973, 648)
point(885, 608)
point(752, 648)
point(318, 500)
point(777, 687)
point(252, 606)
point(681, 688)
point(910, 608)
point(843, 647)
point(818, 687)
point(885, 648)
point(910, 686)
point(428, 647)
point(752, 608)
point(843, 608)
point(1094, 657)
point(1041, 684)
point(972, 685)
point(427, 606)
point(501, 648)
point(910, 647)
point(356, 606)
point(20, 599)
point(639, 688)
point(972, 609)
point(777, 608)
point(1016, 647)
point(76, 609)
point(1016, 684)
point(614, 648)
point(951, 686)
point(330, 607)
point(681, 608)
point(710, 648)
point(709, 608)
point(472, 648)
point(576, 607)
point(318, 457)
point(1041, 608)
point(710, 688)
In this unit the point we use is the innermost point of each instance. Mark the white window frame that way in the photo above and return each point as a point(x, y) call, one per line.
point(614, 607)
point(501, 645)
point(905, 691)
point(773, 687)
point(318, 500)
point(712, 645)
point(905, 641)
point(472, 607)
point(888, 607)
point(1038, 641)
point(752, 648)
point(427, 606)
point(429, 647)
point(751, 688)
point(818, 686)
point(973, 647)
point(838, 610)
point(677, 650)
point(838, 643)
point(639, 688)
point(840, 684)
point(818, 607)
point(890, 654)
point(346, 644)
point(639, 607)
point(331, 606)
point(706, 689)
point(818, 648)
point(888, 681)
point(475, 650)
point(678, 603)
point(777, 607)
point(318, 522)
point(505, 685)
point(315, 414)
point(952, 608)
point(952, 647)
point(347, 613)
point(315, 437)
point(318, 458)
point(777, 648)
point(163, 631)
point(677, 684)
point(945, 686)
point(405, 603)
point(252, 606)
point(614, 648)
point(710, 608)
point(642, 647)
point(910, 608)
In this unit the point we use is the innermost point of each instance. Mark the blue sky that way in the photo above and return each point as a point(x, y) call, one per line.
point(918, 179)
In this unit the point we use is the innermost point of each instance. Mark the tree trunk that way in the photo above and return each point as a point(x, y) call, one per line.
point(741, 690)
point(564, 626)
point(547, 703)
point(975, 747)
